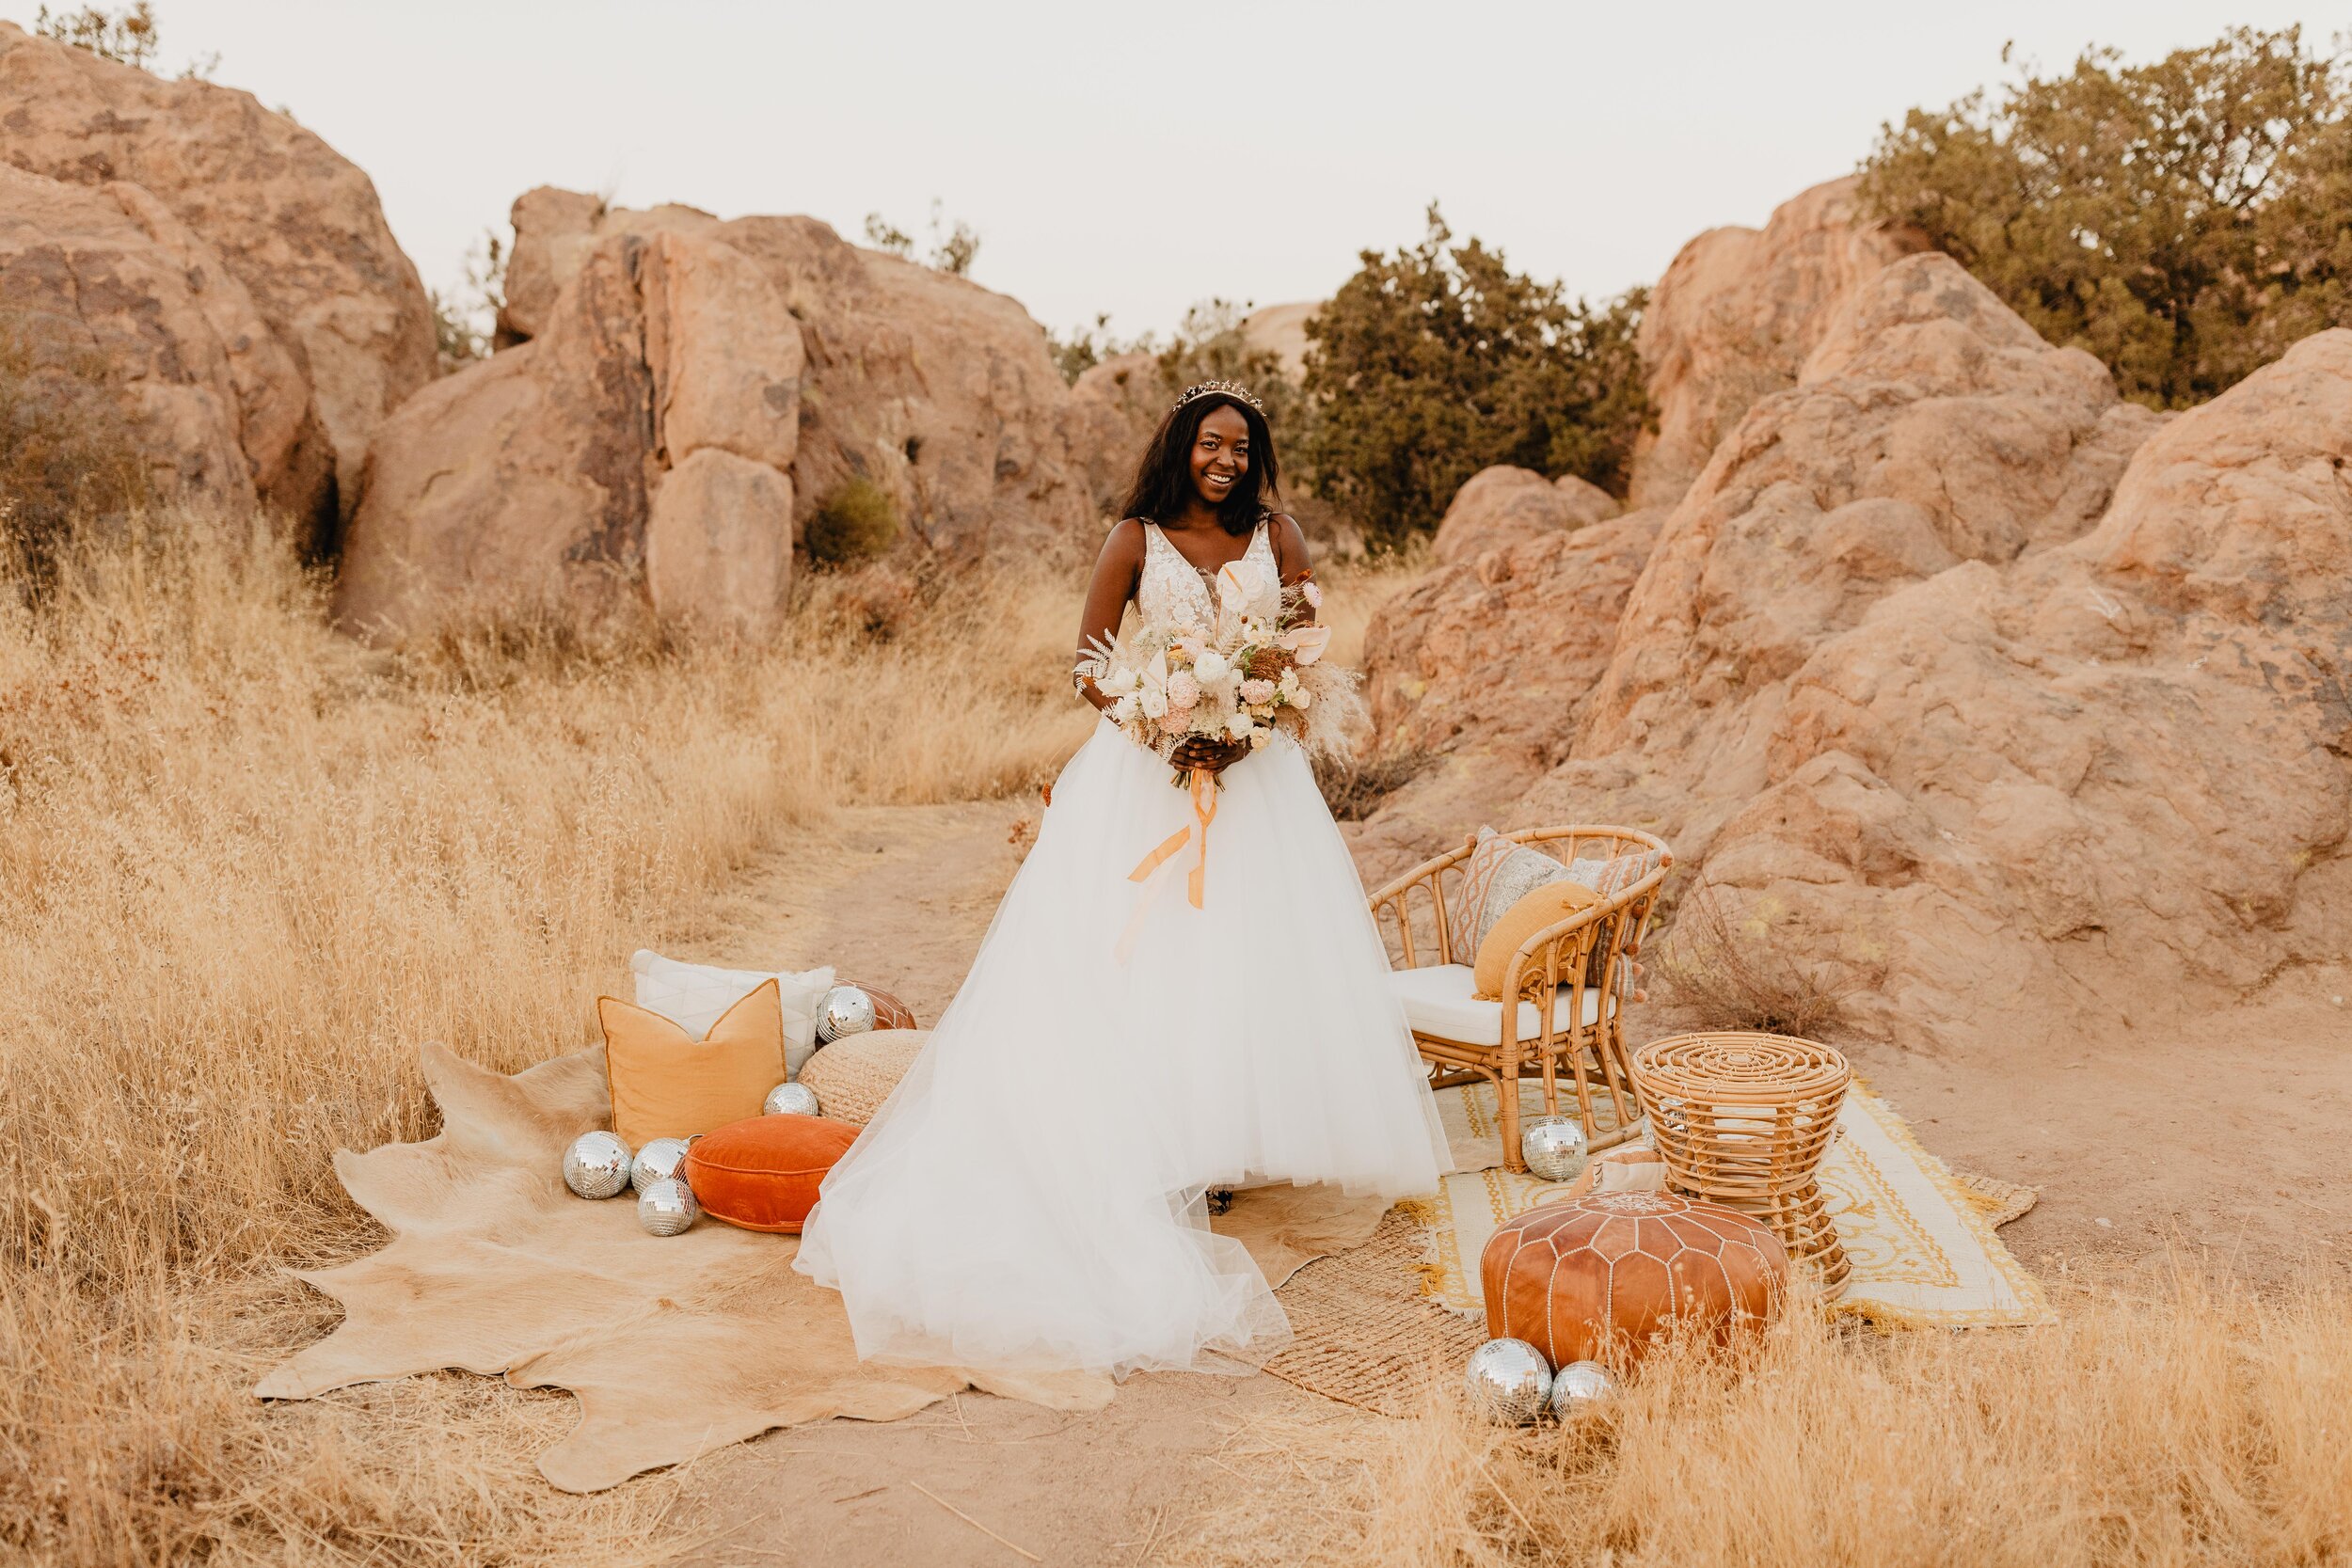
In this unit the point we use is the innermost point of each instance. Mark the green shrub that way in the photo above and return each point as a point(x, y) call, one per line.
point(855, 521)
point(1438, 361)
point(2184, 221)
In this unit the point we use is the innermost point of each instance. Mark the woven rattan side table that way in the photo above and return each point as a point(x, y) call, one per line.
point(1744, 1119)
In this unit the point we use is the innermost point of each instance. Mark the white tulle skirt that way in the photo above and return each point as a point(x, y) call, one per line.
point(1030, 1197)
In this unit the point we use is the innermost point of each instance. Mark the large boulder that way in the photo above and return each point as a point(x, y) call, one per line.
point(1282, 331)
point(1484, 668)
point(1114, 409)
point(1735, 316)
point(938, 391)
point(1503, 504)
point(635, 454)
point(106, 279)
point(2013, 706)
point(293, 223)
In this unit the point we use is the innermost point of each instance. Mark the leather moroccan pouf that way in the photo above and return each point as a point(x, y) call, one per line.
point(889, 1012)
point(762, 1173)
point(854, 1074)
point(1566, 1278)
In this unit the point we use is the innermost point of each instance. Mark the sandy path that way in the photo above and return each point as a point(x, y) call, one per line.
point(901, 896)
point(2220, 1140)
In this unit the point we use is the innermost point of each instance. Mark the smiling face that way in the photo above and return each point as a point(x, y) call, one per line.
point(1220, 453)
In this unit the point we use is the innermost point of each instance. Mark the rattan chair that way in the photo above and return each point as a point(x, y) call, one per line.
point(1565, 1023)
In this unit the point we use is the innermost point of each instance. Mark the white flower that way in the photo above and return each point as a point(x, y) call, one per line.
point(1212, 666)
point(1308, 642)
point(1311, 594)
point(1255, 691)
point(1239, 582)
point(1123, 711)
point(1154, 703)
point(1239, 726)
point(1259, 737)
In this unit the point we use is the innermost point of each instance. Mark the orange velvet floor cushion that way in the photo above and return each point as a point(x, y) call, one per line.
point(762, 1173)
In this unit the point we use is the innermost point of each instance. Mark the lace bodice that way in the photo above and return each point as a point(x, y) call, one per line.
point(1172, 589)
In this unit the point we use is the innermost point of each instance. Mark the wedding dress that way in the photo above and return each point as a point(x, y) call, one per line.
point(1030, 1197)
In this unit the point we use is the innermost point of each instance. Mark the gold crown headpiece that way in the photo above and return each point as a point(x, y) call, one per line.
point(1231, 388)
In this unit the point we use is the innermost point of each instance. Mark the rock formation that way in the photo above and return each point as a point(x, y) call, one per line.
point(1282, 331)
point(296, 225)
point(1114, 408)
point(565, 468)
point(1502, 505)
point(637, 449)
point(105, 277)
point(1735, 316)
point(1956, 675)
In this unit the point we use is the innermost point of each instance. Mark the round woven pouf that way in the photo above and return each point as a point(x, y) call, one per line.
point(854, 1075)
point(1744, 1119)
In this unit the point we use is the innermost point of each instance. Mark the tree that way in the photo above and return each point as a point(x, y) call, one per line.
point(2184, 221)
point(465, 321)
point(1438, 361)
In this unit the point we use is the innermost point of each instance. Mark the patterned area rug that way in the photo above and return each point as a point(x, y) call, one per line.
point(1379, 1326)
point(1921, 1239)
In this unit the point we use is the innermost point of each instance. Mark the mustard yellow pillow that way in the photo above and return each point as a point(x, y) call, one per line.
point(666, 1084)
point(1540, 907)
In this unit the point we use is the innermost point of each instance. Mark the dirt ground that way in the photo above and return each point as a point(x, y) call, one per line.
point(2218, 1142)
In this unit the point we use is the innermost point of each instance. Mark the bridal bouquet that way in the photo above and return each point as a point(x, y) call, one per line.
point(1239, 677)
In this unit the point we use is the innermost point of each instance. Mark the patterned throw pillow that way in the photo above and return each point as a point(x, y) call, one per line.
point(1497, 875)
point(1611, 874)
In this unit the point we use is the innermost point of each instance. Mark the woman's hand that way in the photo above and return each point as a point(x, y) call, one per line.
point(1198, 750)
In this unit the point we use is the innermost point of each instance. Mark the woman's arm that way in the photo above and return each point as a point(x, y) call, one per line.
point(1291, 557)
point(1116, 573)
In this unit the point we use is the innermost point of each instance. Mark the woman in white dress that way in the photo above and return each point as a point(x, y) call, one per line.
point(1032, 1197)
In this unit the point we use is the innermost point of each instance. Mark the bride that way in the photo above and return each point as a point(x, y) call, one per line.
point(1031, 1199)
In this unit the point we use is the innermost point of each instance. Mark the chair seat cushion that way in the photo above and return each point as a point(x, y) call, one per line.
point(762, 1173)
point(1442, 1001)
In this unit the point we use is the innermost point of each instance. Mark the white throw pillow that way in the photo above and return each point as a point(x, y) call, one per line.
point(693, 995)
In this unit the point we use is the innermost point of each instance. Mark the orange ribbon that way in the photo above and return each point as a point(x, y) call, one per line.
point(1203, 813)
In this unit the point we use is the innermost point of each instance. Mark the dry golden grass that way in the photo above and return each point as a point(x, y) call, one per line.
point(247, 866)
point(2201, 1427)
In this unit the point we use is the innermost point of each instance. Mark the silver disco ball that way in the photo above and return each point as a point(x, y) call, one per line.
point(597, 1164)
point(1580, 1386)
point(789, 1099)
point(1553, 1146)
point(662, 1160)
point(845, 1010)
point(1507, 1381)
point(666, 1206)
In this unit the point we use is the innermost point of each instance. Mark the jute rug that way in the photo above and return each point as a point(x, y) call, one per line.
point(672, 1346)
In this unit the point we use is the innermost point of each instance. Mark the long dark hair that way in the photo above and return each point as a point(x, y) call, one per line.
point(1163, 481)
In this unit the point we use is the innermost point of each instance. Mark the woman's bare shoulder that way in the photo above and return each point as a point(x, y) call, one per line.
point(1290, 542)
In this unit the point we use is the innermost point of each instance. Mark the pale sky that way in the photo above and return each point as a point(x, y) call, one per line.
point(1135, 158)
